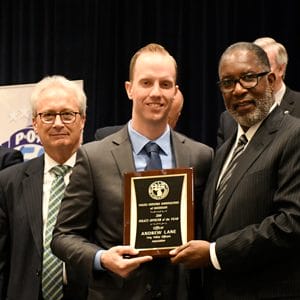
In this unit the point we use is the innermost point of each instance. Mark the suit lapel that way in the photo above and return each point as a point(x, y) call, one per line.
point(32, 187)
point(182, 157)
point(210, 191)
point(119, 153)
point(262, 138)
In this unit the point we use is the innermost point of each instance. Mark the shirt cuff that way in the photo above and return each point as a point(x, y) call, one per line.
point(213, 256)
point(97, 260)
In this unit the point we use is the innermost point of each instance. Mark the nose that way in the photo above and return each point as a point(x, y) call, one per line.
point(155, 91)
point(58, 121)
point(238, 88)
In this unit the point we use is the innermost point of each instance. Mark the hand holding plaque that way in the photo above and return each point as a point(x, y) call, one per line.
point(158, 210)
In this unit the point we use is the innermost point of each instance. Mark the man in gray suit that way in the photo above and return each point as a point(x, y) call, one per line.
point(286, 98)
point(251, 224)
point(58, 114)
point(89, 229)
point(9, 157)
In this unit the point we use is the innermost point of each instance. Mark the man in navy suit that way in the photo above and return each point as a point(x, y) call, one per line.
point(9, 157)
point(251, 225)
point(58, 115)
point(288, 99)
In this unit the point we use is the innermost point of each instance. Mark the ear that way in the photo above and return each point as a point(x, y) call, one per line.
point(83, 119)
point(282, 69)
point(34, 125)
point(271, 79)
point(176, 90)
point(128, 88)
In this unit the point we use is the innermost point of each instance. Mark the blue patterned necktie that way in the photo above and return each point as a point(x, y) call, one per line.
point(154, 162)
point(52, 276)
point(228, 172)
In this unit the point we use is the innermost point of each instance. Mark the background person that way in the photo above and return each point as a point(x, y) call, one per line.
point(9, 157)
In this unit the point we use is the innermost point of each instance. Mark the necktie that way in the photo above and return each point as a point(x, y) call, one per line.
point(228, 172)
point(154, 162)
point(52, 277)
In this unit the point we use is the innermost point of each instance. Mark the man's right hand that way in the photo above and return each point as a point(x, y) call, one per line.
point(122, 260)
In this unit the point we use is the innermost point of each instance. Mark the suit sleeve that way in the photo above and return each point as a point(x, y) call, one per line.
point(71, 235)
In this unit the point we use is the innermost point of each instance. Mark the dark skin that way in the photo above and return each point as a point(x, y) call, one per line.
point(196, 253)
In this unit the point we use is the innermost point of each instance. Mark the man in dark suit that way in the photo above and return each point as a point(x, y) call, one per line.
point(58, 109)
point(174, 115)
point(93, 203)
point(9, 157)
point(288, 99)
point(251, 243)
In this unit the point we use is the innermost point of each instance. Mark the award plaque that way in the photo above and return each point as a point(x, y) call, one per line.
point(158, 210)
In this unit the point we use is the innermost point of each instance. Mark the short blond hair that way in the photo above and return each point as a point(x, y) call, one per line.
point(150, 48)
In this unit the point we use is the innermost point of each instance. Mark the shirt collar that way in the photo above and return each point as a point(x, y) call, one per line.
point(139, 141)
point(50, 163)
point(279, 95)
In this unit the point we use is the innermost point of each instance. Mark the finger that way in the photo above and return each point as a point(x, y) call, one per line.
point(178, 249)
point(127, 250)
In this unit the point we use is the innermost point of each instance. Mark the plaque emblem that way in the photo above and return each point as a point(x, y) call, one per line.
point(158, 190)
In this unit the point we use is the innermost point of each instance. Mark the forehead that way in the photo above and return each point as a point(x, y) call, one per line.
point(154, 65)
point(57, 97)
point(238, 62)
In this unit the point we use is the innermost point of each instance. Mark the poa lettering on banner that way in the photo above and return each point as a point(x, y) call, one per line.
point(16, 129)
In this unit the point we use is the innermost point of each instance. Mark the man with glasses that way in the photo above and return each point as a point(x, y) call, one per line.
point(29, 198)
point(251, 220)
point(288, 99)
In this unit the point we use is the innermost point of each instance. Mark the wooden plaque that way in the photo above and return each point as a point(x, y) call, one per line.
point(158, 210)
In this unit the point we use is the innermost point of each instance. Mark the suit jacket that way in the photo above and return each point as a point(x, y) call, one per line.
point(105, 131)
point(9, 157)
point(21, 233)
point(290, 104)
point(257, 228)
point(94, 203)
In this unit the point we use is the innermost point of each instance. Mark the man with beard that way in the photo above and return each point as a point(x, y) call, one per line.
point(285, 97)
point(251, 226)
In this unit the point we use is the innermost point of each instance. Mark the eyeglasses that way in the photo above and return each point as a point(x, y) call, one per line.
point(247, 81)
point(67, 117)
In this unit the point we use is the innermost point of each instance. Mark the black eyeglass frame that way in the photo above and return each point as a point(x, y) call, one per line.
point(60, 114)
point(234, 81)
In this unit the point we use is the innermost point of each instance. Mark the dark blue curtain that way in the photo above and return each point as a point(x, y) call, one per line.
point(94, 40)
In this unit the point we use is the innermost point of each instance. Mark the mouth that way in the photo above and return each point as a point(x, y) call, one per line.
point(59, 135)
point(155, 105)
point(244, 106)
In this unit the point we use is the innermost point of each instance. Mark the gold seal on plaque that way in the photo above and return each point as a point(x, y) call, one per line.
point(158, 190)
